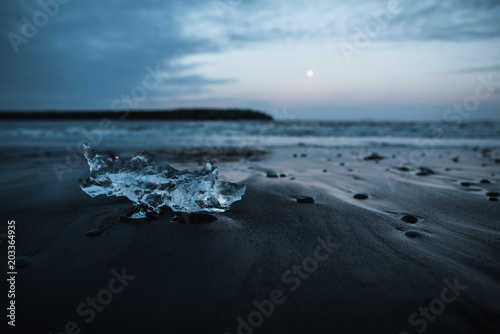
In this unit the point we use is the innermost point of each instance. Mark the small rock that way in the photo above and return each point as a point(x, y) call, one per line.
point(295, 155)
point(324, 171)
point(404, 169)
point(484, 181)
point(409, 219)
point(455, 159)
point(413, 234)
point(492, 194)
point(493, 199)
point(341, 164)
point(272, 174)
point(22, 261)
point(94, 232)
point(292, 178)
point(305, 199)
point(424, 171)
point(360, 196)
point(466, 184)
point(303, 155)
point(282, 175)
point(374, 156)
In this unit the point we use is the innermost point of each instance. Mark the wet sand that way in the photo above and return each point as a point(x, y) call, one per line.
point(385, 247)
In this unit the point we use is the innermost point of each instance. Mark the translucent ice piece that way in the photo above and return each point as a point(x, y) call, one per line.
point(150, 184)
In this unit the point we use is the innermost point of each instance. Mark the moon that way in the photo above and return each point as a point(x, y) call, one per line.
point(310, 73)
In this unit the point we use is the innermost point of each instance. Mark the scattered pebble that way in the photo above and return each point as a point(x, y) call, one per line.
point(447, 169)
point(305, 199)
point(292, 178)
point(374, 156)
point(152, 215)
point(295, 155)
point(272, 174)
point(22, 261)
point(492, 194)
point(484, 181)
point(404, 169)
point(341, 164)
point(466, 184)
point(339, 155)
point(493, 199)
point(409, 219)
point(93, 232)
point(455, 159)
point(303, 155)
point(324, 171)
point(424, 171)
point(360, 196)
point(282, 175)
point(413, 234)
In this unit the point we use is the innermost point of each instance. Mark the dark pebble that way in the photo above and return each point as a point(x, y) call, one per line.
point(324, 171)
point(492, 194)
point(295, 155)
point(272, 174)
point(360, 196)
point(339, 155)
point(374, 156)
point(404, 169)
point(22, 261)
point(493, 199)
point(341, 164)
point(410, 219)
point(466, 184)
point(484, 181)
point(303, 155)
point(455, 159)
point(152, 215)
point(447, 169)
point(424, 171)
point(94, 232)
point(305, 199)
point(282, 175)
point(413, 234)
point(292, 178)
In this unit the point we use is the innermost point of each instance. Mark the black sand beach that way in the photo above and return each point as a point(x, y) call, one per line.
point(420, 253)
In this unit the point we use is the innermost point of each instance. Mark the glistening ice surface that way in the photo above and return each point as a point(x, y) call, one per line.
point(151, 183)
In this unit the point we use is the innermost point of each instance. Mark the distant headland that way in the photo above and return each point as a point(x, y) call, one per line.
point(176, 114)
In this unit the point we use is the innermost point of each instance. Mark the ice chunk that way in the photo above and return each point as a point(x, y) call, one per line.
point(151, 183)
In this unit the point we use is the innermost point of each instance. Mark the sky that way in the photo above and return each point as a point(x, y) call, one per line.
point(323, 59)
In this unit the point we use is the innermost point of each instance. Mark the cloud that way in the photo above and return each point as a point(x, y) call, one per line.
point(91, 52)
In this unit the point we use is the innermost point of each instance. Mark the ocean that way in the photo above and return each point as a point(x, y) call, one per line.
point(260, 134)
